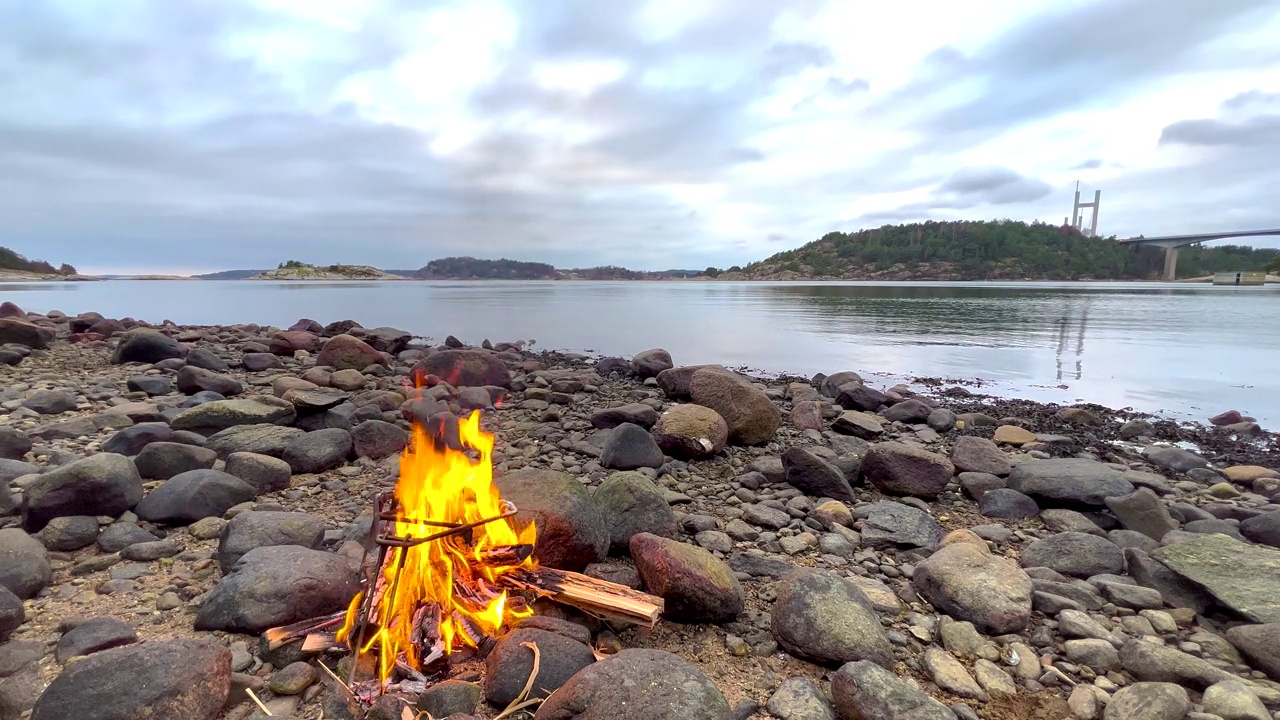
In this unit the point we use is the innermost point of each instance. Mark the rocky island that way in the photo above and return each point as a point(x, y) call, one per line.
point(825, 548)
point(294, 270)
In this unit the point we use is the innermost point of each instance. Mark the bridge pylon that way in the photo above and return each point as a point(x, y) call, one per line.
point(1077, 219)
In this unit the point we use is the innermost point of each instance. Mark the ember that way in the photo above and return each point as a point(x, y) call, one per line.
point(446, 540)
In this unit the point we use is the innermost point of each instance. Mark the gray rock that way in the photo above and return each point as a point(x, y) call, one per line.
point(968, 583)
point(1233, 700)
point(630, 504)
point(1007, 503)
point(256, 528)
point(24, 563)
point(508, 666)
point(377, 439)
point(131, 440)
point(12, 613)
point(187, 679)
point(207, 359)
point(948, 674)
point(856, 396)
point(318, 451)
point(212, 417)
point(1174, 458)
point(1097, 654)
point(14, 444)
point(1156, 575)
point(649, 363)
point(1073, 553)
point(1159, 663)
point(259, 361)
point(812, 475)
point(891, 524)
point(163, 460)
point(1245, 578)
point(800, 698)
point(1148, 701)
point(12, 469)
point(145, 345)
point(908, 411)
point(261, 439)
point(1132, 596)
point(760, 565)
point(1260, 644)
point(829, 386)
point(1125, 539)
point(1263, 529)
point(50, 402)
point(942, 420)
point(444, 699)
point(977, 454)
point(265, 473)
point(822, 617)
point(93, 635)
point(278, 585)
point(635, 413)
point(71, 532)
point(858, 424)
point(73, 429)
point(102, 484)
point(1070, 482)
point(571, 533)
point(899, 469)
point(149, 551)
point(866, 691)
point(120, 535)
point(192, 380)
point(630, 447)
point(651, 684)
point(193, 495)
point(766, 516)
point(694, 585)
point(975, 483)
point(1142, 511)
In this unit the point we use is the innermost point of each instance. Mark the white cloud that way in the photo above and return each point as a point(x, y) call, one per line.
point(651, 133)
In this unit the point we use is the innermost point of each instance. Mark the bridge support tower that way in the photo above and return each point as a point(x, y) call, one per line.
point(1171, 263)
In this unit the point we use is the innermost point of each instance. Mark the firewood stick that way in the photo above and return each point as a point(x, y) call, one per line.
point(285, 634)
point(321, 642)
point(589, 594)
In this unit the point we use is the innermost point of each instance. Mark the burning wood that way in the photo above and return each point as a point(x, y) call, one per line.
point(453, 568)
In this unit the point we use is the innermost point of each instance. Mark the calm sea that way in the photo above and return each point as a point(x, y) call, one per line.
point(1183, 350)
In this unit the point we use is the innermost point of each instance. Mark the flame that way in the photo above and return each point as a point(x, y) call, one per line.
point(442, 485)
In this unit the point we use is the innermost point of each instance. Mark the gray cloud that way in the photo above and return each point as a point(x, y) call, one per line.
point(1090, 164)
point(145, 133)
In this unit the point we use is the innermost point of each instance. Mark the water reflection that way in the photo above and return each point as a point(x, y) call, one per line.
point(1184, 348)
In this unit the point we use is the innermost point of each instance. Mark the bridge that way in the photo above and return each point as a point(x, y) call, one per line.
point(1171, 243)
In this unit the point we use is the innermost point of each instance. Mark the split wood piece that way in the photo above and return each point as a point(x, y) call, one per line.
point(320, 642)
point(591, 595)
point(285, 634)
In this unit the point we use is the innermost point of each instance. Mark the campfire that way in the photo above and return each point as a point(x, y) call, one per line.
point(455, 565)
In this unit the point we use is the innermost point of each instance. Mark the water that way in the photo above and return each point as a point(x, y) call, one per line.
point(1183, 350)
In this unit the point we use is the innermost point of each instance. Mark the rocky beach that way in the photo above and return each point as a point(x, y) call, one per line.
point(824, 547)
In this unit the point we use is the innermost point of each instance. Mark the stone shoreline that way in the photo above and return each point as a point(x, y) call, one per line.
point(825, 548)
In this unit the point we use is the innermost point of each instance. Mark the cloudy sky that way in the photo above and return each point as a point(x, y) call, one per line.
point(195, 135)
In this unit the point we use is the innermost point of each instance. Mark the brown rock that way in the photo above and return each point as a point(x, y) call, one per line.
point(466, 367)
point(1013, 435)
point(751, 416)
point(691, 432)
point(345, 352)
point(900, 469)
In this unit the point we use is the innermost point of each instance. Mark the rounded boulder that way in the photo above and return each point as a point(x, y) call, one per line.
point(691, 432)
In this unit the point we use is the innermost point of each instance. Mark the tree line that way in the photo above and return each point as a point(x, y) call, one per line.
point(10, 260)
point(1004, 249)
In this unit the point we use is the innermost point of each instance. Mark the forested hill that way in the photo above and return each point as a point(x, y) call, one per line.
point(994, 250)
point(10, 260)
point(469, 268)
